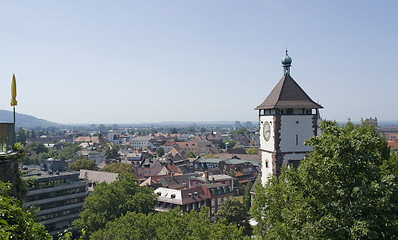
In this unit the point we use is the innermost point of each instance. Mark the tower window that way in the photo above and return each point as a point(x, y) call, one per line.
point(296, 139)
point(266, 164)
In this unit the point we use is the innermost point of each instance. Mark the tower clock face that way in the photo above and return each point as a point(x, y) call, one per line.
point(266, 131)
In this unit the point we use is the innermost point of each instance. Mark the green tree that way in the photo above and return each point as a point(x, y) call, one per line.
point(153, 131)
point(83, 163)
point(16, 223)
point(347, 188)
point(31, 134)
point(233, 211)
point(190, 154)
point(229, 143)
point(102, 127)
point(70, 234)
point(21, 136)
point(69, 151)
point(173, 131)
point(170, 225)
point(247, 196)
point(110, 201)
point(118, 168)
point(242, 131)
point(160, 151)
point(36, 147)
point(112, 152)
point(251, 151)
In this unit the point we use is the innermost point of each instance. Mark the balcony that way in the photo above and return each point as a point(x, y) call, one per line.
point(7, 138)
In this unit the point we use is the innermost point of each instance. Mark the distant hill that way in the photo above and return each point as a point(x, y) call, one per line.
point(26, 121)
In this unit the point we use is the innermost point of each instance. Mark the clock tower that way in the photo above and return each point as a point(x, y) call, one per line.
point(287, 118)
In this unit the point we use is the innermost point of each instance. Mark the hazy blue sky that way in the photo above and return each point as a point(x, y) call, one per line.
point(151, 61)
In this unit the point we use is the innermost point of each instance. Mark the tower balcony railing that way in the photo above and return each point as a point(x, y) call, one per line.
point(7, 137)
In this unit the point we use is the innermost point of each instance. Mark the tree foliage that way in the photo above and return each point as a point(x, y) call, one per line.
point(230, 144)
point(173, 131)
point(251, 151)
point(112, 152)
point(347, 188)
point(118, 168)
point(110, 201)
point(16, 223)
point(21, 136)
point(160, 151)
point(83, 163)
point(168, 225)
point(68, 151)
point(37, 147)
point(247, 195)
point(233, 211)
point(242, 131)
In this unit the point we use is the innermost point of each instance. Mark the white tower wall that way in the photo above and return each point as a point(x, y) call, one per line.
point(267, 145)
point(266, 166)
point(295, 129)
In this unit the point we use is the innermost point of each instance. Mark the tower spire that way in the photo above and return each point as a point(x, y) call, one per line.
point(13, 94)
point(286, 63)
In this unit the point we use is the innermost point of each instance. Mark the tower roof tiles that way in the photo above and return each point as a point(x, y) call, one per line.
point(288, 94)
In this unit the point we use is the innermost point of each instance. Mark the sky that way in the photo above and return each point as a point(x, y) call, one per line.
point(96, 61)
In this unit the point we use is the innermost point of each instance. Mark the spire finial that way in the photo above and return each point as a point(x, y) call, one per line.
point(13, 95)
point(286, 63)
point(13, 91)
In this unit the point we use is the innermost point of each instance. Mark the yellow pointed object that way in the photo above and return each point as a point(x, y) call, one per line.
point(13, 91)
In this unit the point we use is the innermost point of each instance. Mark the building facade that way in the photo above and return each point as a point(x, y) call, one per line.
point(60, 197)
point(210, 195)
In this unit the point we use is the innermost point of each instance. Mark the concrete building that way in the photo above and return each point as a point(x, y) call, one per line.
point(59, 195)
point(142, 142)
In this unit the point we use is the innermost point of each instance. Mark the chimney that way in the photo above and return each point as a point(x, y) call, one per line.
point(207, 175)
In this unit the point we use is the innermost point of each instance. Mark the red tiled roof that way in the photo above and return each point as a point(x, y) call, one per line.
point(393, 145)
point(187, 144)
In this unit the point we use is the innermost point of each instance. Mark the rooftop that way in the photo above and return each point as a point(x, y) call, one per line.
point(288, 94)
point(227, 161)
